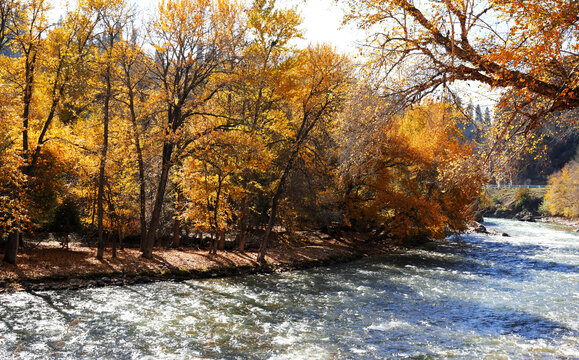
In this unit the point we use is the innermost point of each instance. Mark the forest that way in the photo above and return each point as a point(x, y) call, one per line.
point(206, 124)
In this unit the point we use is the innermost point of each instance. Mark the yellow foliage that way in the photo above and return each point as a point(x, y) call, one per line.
point(562, 196)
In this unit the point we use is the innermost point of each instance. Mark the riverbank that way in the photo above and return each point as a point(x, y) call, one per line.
point(522, 203)
point(574, 223)
point(50, 267)
point(556, 220)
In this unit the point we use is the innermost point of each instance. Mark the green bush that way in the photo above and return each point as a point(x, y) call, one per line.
point(523, 199)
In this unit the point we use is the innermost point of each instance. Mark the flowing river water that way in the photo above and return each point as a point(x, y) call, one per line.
point(473, 297)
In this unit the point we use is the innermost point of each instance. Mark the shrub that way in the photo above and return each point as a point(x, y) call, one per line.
point(523, 199)
point(562, 197)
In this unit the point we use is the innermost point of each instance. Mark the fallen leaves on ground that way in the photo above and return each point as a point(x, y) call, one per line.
point(51, 261)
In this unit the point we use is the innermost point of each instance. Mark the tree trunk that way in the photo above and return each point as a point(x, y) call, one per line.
point(221, 243)
point(177, 233)
point(114, 244)
point(213, 243)
point(27, 101)
point(265, 240)
point(274, 204)
point(121, 237)
point(12, 247)
point(102, 167)
point(159, 198)
point(177, 223)
point(243, 224)
point(302, 135)
point(56, 95)
point(142, 184)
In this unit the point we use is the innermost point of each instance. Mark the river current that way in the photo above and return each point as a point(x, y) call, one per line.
point(471, 297)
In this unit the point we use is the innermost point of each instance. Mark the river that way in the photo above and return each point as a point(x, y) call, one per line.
point(473, 297)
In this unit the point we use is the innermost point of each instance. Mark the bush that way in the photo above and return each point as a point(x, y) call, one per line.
point(562, 197)
point(523, 199)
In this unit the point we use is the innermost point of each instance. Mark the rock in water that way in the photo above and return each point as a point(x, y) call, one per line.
point(481, 229)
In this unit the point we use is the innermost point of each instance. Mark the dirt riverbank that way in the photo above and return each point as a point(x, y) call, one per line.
point(50, 267)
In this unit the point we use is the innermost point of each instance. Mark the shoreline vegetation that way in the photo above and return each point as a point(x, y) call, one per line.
point(51, 267)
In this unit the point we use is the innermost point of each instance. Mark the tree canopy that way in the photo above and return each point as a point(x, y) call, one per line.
point(530, 47)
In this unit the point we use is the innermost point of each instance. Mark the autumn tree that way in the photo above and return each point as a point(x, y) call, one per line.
point(259, 95)
point(211, 182)
point(14, 217)
point(8, 10)
point(66, 47)
point(135, 93)
point(318, 87)
point(527, 46)
point(562, 196)
point(407, 177)
point(191, 40)
point(30, 24)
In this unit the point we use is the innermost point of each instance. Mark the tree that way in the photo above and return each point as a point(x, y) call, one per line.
point(408, 177)
point(7, 19)
point(192, 39)
point(210, 181)
point(136, 90)
point(320, 82)
point(527, 46)
point(562, 196)
point(30, 24)
point(487, 120)
point(14, 218)
point(478, 118)
point(66, 47)
point(113, 17)
point(259, 96)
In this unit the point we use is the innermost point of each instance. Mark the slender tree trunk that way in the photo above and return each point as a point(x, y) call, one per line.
point(221, 243)
point(114, 244)
point(302, 134)
point(159, 198)
point(12, 247)
point(27, 101)
point(56, 95)
point(265, 240)
point(177, 223)
point(102, 167)
point(218, 232)
point(142, 184)
point(177, 233)
point(275, 202)
point(121, 237)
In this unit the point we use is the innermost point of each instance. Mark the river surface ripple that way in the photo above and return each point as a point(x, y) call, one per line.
point(473, 297)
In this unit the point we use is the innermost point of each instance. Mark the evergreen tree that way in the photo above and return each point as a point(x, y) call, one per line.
point(478, 116)
point(487, 117)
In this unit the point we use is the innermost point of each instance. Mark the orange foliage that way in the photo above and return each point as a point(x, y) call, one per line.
point(415, 178)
